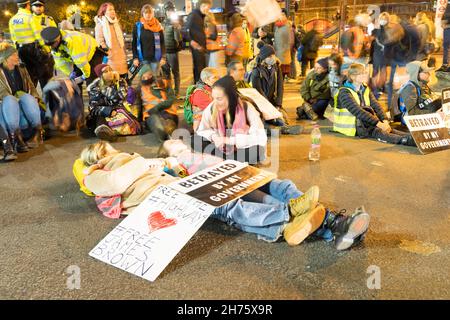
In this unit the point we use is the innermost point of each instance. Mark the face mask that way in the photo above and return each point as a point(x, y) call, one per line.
point(147, 82)
point(270, 61)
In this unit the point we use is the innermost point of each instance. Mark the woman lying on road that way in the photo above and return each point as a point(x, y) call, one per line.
point(278, 208)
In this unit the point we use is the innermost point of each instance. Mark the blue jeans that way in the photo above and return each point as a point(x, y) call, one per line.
point(446, 45)
point(264, 212)
point(20, 113)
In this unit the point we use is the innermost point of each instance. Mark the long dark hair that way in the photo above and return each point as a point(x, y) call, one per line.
point(228, 85)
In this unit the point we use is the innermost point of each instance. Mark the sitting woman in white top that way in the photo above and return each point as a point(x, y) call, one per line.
point(230, 128)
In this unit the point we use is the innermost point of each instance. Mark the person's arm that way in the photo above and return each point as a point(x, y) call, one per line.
point(305, 88)
point(205, 129)
point(113, 182)
point(195, 26)
point(256, 134)
point(165, 104)
point(376, 107)
point(280, 87)
point(163, 45)
point(233, 43)
point(99, 36)
point(255, 80)
point(409, 96)
point(347, 101)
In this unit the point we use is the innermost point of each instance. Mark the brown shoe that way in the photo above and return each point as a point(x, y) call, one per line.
point(302, 226)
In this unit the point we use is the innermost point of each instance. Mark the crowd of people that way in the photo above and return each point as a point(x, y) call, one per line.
point(223, 122)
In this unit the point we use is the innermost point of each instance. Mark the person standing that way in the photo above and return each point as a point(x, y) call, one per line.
point(235, 49)
point(196, 26)
point(46, 63)
point(311, 42)
point(23, 35)
point(173, 42)
point(215, 56)
point(283, 43)
point(148, 41)
point(76, 54)
point(109, 36)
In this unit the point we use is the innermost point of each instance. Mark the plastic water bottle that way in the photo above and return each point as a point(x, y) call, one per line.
point(314, 150)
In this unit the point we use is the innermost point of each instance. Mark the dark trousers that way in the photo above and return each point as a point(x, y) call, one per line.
point(40, 64)
point(173, 61)
point(252, 155)
point(446, 45)
point(199, 61)
point(394, 137)
point(305, 65)
point(320, 106)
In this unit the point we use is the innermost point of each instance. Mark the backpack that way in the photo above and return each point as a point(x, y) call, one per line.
point(187, 106)
point(123, 123)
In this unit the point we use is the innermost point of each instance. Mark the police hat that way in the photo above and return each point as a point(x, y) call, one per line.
point(21, 1)
point(50, 34)
point(38, 2)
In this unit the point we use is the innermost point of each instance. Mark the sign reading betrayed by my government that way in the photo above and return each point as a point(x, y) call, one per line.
point(223, 182)
point(429, 132)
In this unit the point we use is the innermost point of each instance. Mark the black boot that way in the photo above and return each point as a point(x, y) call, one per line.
point(348, 230)
point(408, 140)
point(9, 154)
point(17, 141)
point(37, 139)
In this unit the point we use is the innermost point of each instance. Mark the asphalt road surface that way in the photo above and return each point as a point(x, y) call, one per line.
point(47, 225)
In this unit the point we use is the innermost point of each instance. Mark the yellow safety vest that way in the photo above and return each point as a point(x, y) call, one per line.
point(344, 120)
point(21, 27)
point(77, 48)
point(40, 22)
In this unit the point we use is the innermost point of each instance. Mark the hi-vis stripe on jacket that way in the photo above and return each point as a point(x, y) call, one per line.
point(40, 22)
point(344, 120)
point(77, 48)
point(21, 27)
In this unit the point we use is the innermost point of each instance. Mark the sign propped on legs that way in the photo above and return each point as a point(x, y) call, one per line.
point(224, 182)
point(429, 132)
point(147, 240)
point(267, 109)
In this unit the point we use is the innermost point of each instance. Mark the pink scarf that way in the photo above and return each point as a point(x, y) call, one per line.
point(239, 125)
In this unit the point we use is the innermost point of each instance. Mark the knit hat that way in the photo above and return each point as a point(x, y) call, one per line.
point(6, 50)
point(98, 69)
point(323, 63)
point(265, 50)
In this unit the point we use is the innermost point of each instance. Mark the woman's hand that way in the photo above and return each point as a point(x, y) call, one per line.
point(218, 141)
point(136, 62)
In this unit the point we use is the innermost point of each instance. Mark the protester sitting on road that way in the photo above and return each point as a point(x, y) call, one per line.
point(199, 96)
point(121, 181)
point(236, 70)
point(232, 126)
point(267, 78)
point(9, 153)
point(334, 73)
point(155, 98)
point(108, 116)
point(315, 91)
point(415, 97)
point(357, 112)
point(20, 114)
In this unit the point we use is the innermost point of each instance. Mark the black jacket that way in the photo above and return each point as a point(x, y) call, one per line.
point(147, 44)
point(196, 26)
point(172, 38)
point(269, 83)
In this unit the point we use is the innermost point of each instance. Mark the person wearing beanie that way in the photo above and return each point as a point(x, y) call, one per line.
point(107, 102)
point(20, 113)
point(315, 91)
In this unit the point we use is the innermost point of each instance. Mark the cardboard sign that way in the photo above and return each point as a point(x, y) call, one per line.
point(446, 106)
point(429, 132)
point(261, 12)
point(223, 182)
point(146, 241)
point(267, 109)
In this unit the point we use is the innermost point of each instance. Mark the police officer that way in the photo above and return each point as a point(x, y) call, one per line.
point(39, 22)
point(74, 48)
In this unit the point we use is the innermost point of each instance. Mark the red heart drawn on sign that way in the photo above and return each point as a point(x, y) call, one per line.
point(156, 220)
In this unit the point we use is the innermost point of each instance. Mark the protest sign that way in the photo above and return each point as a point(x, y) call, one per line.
point(223, 182)
point(261, 12)
point(429, 132)
point(446, 106)
point(145, 242)
point(267, 109)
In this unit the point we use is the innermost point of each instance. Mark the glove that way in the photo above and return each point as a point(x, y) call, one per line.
point(73, 75)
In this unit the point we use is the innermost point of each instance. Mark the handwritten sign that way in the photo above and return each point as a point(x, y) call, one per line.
point(223, 182)
point(146, 241)
point(429, 132)
point(267, 109)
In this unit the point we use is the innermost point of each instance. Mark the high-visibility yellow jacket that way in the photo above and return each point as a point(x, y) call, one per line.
point(21, 27)
point(76, 48)
point(40, 22)
point(344, 120)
